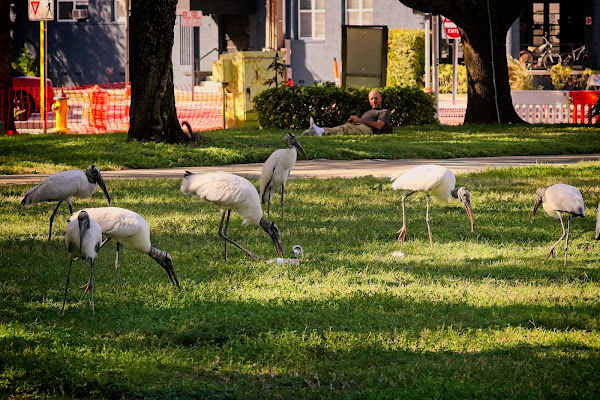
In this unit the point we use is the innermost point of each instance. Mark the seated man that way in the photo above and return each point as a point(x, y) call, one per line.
point(374, 121)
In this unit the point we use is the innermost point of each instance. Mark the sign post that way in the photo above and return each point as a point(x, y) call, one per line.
point(192, 19)
point(452, 32)
point(42, 11)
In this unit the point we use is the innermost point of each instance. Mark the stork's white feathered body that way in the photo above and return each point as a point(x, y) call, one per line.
point(276, 170)
point(89, 242)
point(434, 180)
point(560, 200)
point(123, 226)
point(228, 192)
point(63, 186)
point(132, 230)
point(231, 193)
point(82, 239)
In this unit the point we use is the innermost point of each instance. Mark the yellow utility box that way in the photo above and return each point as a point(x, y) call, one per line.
point(244, 75)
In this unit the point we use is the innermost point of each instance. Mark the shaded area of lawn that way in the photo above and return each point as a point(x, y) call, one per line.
point(481, 315)
point(57, 152)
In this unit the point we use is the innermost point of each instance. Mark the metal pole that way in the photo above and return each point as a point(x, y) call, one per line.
point(427, 51)
point(454, 70)
point(436, 61)
point(193, 60)
point(127, 78)
point(43, 65)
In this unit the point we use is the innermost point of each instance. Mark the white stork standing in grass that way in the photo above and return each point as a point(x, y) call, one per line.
point(559, 200)
point(232, 192)
point(82, 240)
point(434, 180)
point(130, 229)
point(276, 170)
point(62, 186)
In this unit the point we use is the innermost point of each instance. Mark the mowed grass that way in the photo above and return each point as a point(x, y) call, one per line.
point(481, 315)
point(58, 152)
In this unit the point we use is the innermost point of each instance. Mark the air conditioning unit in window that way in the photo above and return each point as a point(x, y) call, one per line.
point(80, 14)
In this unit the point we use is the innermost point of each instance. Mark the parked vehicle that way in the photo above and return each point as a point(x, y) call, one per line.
point(579, 56)
point(541, 56)
point(26, 91)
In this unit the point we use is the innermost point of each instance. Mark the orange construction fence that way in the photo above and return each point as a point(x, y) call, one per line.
point(105, 108)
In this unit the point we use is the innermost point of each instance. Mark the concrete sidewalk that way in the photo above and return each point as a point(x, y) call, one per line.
point(333, 168)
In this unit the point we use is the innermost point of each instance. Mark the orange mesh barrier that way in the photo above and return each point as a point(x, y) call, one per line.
point(105, 108)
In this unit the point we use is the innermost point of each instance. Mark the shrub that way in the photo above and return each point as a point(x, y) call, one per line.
point(445, 75)
point(288, 107)
point(560, 75)
point(518, 74)
point(25, 63)
point(406, 57)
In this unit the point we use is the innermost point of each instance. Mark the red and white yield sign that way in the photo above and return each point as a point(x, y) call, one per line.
point(191, 18)
point(451, 29)
point(41, 10)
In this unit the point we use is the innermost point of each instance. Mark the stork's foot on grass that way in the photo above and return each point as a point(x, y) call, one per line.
point(551, 253)
point(401, 234)
point(87, 287)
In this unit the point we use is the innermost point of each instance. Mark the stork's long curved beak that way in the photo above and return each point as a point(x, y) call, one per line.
point(103, 187)
point(469, 210)
point(84, 225)
point(277, 243)
point(299, 147)
point(536, 205)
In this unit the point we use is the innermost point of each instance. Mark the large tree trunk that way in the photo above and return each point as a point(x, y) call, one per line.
point(6, 98)
point(484, 47)
point(153, 116)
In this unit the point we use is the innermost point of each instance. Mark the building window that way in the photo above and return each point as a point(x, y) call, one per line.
point(72, 10)
point(360, 12)
point(185, 45)
point(312, 19)
point(119, 10)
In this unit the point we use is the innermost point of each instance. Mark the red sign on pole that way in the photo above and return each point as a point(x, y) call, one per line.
point(191, 18)
point(451, 29)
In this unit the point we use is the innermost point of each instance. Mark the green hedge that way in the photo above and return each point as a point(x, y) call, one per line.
point(406, 57)
point(288, 107)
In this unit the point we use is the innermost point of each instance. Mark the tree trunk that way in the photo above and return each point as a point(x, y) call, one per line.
point(153, 116)
point(483, 36)
point(6, 97)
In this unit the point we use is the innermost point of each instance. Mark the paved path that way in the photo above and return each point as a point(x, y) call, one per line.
point(331, 168)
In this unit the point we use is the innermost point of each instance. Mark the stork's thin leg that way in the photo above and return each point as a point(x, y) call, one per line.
point(428, 224)
point(282, 214)
point(92, 283)
point(52, 220)
point(567, 238)
point(223, 234)
point(70, 208)
point(551, 252)
point(118, 268)
point(402, 231)
point(62, 310)
point(106, 240)
point(269, 204)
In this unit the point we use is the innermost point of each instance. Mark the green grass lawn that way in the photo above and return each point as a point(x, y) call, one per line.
point(481, 315)
point(58, 152)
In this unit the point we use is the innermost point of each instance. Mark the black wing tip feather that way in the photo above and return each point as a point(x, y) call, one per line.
point(188, 173)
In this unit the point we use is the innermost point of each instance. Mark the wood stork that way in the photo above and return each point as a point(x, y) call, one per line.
point(276, 170)
point(232, 192)
point(434, 180)
point(62, 186)
point(130, 229)
point(82, 240)
point(559, 200)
